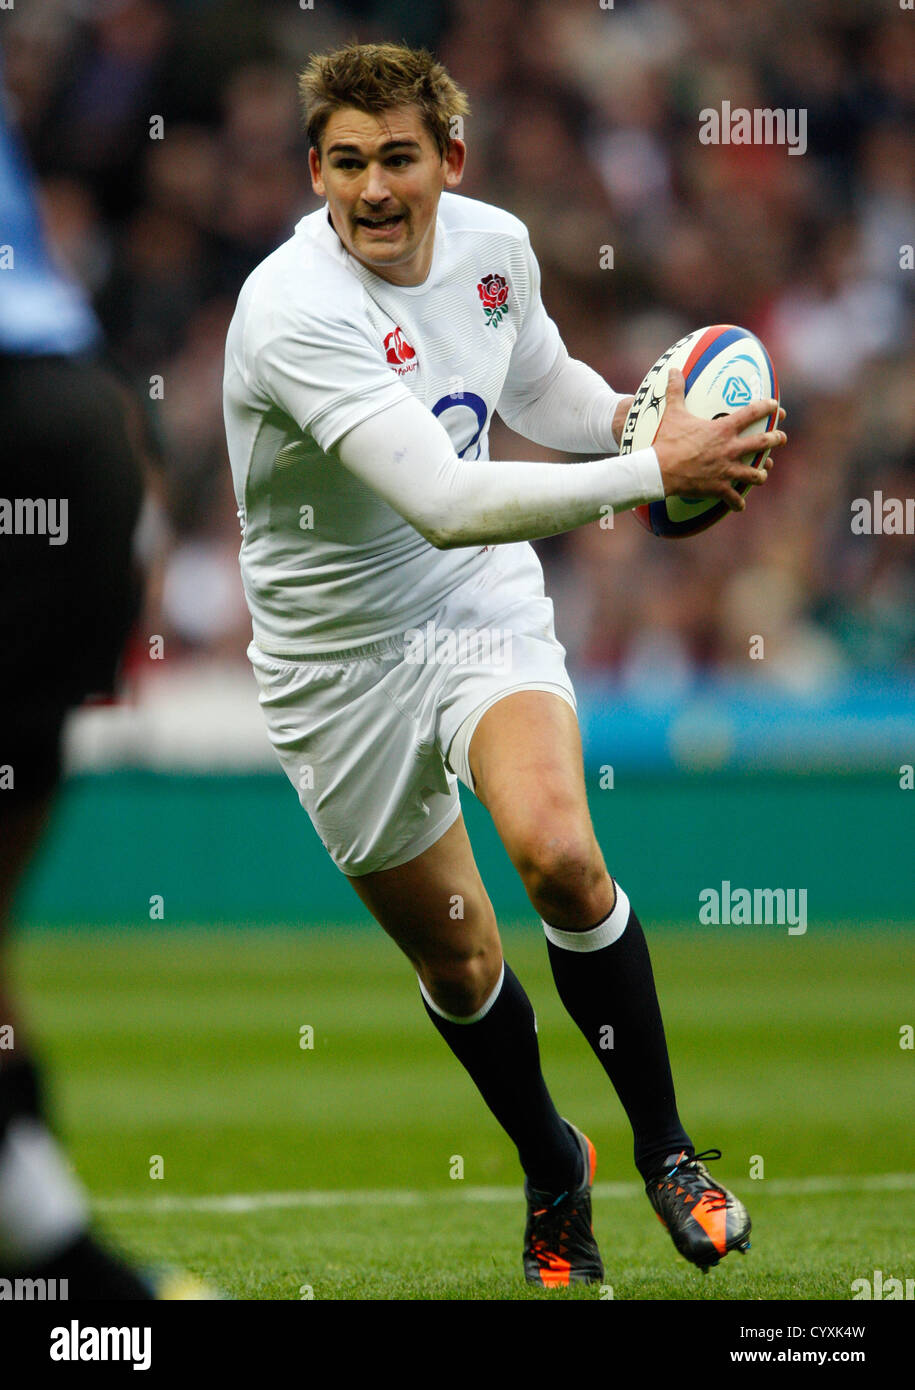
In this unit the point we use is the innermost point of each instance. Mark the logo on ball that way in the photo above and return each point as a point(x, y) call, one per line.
point(736, 391)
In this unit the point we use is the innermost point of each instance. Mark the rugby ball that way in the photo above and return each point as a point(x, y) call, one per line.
point(724, 367)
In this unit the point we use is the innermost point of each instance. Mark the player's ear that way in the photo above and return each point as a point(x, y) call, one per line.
point(454, 163)
point(314, 166)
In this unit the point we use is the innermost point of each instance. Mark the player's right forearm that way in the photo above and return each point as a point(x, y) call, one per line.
point(405, 455)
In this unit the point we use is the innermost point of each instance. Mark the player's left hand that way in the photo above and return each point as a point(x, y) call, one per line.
point(619, 416)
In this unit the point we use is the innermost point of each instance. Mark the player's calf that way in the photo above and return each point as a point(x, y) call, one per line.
point(460, 982)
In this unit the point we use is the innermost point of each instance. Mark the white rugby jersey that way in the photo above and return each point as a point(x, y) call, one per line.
point(317, 345)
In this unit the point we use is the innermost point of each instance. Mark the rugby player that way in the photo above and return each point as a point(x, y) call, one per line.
point(364, 363)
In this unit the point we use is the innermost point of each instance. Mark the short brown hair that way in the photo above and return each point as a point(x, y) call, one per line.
point(373, 77)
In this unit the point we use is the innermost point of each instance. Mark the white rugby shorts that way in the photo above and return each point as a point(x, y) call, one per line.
point(374, 739)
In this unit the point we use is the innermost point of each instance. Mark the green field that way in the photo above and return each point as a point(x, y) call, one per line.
point(288, 1168)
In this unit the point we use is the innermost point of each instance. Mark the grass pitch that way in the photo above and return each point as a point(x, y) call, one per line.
point(326, 1170)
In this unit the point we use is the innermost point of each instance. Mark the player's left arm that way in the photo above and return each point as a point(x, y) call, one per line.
point(552, 398)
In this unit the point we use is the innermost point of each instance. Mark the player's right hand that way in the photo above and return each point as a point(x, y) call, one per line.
point(702, 458)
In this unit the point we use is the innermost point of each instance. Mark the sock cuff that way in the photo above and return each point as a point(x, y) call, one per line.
point(472, 1018)
point(42, 1206)
point(604, 934)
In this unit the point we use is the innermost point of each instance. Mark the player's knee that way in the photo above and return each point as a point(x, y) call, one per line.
point(564, 874)
point(461, 982)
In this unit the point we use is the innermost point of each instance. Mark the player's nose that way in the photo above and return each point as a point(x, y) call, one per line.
point(375, 189)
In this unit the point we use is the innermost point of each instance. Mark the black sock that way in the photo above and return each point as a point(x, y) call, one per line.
point(20, 1092)
point(500, 1053)
point(609, 991)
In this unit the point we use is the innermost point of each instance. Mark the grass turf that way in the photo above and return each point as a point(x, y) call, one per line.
point(185, 1045)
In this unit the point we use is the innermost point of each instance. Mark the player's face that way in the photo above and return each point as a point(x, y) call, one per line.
point(382, 177)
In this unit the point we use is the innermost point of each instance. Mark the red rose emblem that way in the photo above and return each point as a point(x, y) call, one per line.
point(493, 291)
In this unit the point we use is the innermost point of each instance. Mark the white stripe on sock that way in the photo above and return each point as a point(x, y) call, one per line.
point(604, 934)
point(472, 1018)
point(42, 1206)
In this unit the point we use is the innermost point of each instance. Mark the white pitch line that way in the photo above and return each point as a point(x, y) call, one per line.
point(387, 1197)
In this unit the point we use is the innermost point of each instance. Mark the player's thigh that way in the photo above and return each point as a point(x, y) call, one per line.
point(436, 908)
point(526, 759)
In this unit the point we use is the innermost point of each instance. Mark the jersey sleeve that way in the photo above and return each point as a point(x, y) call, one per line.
point(324, 372)
point(537, 349)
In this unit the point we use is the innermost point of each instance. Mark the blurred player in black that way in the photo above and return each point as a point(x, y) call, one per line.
point(70, 495)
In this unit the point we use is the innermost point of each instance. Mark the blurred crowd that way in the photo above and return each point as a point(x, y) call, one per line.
point(585, 123)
